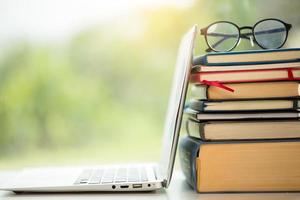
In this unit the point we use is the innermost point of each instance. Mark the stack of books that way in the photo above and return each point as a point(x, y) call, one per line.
point(242, 121)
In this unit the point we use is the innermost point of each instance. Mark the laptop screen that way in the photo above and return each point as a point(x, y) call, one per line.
point(175, 106)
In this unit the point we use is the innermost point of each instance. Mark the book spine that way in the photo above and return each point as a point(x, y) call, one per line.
point(199, 92)
point(191, 113)
point(197, 105)
point(188, 153)
point(195, 129)
point(200, 60)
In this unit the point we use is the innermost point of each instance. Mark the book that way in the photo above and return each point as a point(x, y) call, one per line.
point(247, 91)
point(249, 57)
point(243, 130)
point(211, 68)
point(269, 166)
point(240, 76)
point(240, 116)
point(229, 106)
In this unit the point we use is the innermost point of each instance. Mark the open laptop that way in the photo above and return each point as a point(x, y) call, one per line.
point(134, 177)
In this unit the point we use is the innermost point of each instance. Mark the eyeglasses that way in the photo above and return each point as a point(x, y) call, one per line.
point(225, 36)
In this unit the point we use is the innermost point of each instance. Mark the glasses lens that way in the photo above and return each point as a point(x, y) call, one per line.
point(270, 34)
point(222, 36)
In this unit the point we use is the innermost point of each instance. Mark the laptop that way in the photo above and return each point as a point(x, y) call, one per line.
point(127, 177)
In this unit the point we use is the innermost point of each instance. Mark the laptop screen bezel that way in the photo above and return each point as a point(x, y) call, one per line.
point(176, 105)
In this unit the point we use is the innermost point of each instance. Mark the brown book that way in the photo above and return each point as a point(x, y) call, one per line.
point(243, 130)
point(247, 91)
point(248, 167)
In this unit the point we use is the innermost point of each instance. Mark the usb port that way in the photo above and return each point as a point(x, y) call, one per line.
point(137, 185)
point(124, 186)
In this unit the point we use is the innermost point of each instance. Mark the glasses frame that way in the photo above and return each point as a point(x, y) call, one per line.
point(203, 31)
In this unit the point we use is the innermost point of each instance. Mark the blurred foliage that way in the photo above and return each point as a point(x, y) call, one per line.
point(103, 94)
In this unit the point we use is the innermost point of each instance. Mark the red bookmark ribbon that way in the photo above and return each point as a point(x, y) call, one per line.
point(217, 84)
point(290, 74)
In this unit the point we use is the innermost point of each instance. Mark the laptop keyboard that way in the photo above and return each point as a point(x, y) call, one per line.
point(112, 175)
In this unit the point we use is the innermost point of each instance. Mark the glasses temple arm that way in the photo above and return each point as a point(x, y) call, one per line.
point(216, 44)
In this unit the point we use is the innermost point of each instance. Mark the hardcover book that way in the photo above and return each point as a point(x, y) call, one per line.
point(261, 90)
point(229, 106)
point(249, 57)
point(240, 116)
point(240, 76)
point(243, 129)
point(212, 68)
point(253, 166)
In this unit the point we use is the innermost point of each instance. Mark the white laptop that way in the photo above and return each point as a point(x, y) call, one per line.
point(129, 177)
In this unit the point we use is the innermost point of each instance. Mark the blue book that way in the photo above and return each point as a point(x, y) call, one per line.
point(245, 166)
point(249, 57)
point(188, 152)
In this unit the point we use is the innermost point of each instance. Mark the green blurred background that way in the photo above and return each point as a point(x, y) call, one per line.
point(87, 82)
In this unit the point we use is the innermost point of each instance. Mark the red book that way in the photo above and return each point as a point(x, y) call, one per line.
point(240, 76)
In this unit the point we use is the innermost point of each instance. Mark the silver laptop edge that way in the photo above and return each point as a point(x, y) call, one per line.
point(61, 179)
point(175, 106)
